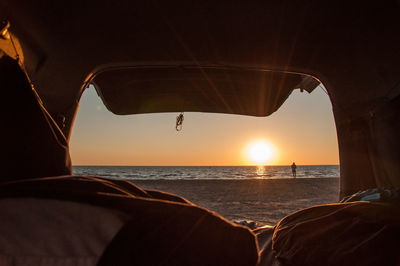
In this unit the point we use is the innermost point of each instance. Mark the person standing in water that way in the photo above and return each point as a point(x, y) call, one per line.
point(294, 169)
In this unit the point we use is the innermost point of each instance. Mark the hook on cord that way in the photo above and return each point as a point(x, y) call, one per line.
point(179, 122)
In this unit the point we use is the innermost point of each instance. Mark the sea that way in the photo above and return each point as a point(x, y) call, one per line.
point(207, 172)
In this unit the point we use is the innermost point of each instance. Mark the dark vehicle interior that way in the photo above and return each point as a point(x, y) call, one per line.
point(173, 56)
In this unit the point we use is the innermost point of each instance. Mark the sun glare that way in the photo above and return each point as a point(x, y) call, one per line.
point(260, 152)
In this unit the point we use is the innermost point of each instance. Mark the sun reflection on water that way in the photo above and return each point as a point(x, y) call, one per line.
point(260, 171)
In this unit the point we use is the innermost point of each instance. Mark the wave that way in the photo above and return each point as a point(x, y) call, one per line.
point(206, 172)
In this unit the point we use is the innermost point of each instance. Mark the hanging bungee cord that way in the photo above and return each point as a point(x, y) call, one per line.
point(179, 122)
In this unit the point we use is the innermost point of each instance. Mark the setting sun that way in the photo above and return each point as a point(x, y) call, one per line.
point(260, 152)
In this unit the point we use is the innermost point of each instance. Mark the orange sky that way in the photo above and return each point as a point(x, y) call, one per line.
point(302, 130)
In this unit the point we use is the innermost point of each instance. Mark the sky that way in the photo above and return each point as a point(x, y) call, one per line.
point(301, 131)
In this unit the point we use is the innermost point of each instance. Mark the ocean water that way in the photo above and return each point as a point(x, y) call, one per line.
point(207, 172)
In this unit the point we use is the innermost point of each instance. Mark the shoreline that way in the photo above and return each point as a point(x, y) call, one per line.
point(265, 201)
point(224, 179)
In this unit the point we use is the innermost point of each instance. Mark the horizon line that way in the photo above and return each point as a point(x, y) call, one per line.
point(255, 165)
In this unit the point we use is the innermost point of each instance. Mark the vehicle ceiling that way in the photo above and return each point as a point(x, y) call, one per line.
point(65, 44)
